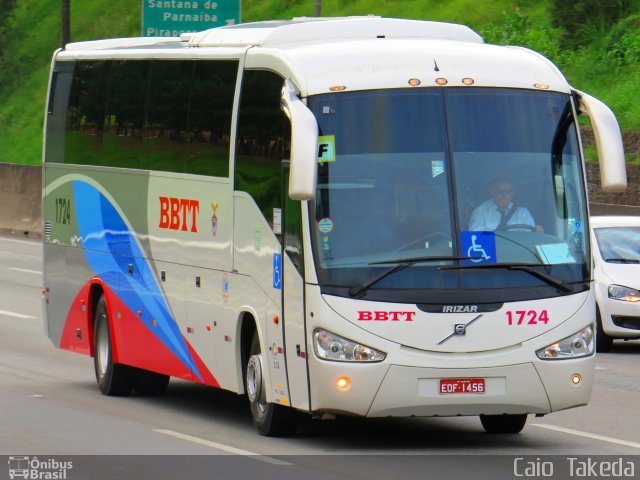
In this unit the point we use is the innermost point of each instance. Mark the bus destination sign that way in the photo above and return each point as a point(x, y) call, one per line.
point(171, 18)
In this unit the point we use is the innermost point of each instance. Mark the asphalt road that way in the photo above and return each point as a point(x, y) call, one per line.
point(51, 407)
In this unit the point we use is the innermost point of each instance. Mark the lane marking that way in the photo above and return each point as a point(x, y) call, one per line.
point(593, 436)
point(224, 448)
point(24, 242)
point(25, 270)
point(14, 254)
point(14, 314)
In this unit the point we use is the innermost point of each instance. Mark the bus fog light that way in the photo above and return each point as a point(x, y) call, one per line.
point(330, 346)
point(343, 384)
point(580, 344)
point(576, 379)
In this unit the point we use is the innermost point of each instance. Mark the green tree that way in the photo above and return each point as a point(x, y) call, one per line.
point(6, 9)
point(584, 20)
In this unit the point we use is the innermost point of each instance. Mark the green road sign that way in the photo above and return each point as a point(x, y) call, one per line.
point(170, 18)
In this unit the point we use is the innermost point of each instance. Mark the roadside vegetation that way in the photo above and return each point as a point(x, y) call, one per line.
point(595, 43)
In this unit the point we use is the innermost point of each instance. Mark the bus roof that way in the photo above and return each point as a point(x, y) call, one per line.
point(358, 53)
point(320, 29)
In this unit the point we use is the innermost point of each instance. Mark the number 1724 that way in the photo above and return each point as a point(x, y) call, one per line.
point(527, 317)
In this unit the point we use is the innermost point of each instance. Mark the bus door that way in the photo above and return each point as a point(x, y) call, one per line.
point(293, 297)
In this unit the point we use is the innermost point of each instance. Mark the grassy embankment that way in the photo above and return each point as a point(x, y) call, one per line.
point(603, 58)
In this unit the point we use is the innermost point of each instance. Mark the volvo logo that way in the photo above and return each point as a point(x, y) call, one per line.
point(459, 329)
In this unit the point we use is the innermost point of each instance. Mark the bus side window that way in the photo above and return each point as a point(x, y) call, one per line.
point(166, 115)
point(57, 110)
point(263, 140)
point(209, 122)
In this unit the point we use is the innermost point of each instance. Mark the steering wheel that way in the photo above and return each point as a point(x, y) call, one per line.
point(518, 226)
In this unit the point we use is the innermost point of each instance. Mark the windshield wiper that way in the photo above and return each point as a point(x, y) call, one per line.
point(622, 260)
point(402, 264)
point(524, 267)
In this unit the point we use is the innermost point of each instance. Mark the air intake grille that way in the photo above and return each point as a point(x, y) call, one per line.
point(48, 228)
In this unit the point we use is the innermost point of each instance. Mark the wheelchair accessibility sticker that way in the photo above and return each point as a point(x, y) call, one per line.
point(481, 246)
point(277, 271)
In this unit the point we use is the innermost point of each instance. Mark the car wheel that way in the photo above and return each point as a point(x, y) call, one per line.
point(603, 341)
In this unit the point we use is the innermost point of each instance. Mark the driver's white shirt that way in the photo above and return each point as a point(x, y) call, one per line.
point(486, 217)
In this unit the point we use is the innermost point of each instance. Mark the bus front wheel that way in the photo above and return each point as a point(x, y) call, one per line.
point(269, 419)
point(113, 379)
point(503, 423)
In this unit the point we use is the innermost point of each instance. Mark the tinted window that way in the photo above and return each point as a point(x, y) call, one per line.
point(164, 115)
point(57, 109)
point(263, 140)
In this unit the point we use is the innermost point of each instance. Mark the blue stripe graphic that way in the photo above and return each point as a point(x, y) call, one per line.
point(109, 247)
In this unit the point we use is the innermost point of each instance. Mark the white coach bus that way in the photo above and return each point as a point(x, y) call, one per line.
point(306, 212)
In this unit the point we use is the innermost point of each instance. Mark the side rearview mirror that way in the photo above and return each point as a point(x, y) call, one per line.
point(613, 174)
point(303, 173)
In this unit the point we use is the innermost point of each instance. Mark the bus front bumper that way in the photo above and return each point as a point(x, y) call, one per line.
point(380, 390)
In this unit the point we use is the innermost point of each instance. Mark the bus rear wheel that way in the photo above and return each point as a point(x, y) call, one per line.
point(269, 419)
point(113, 379)
point(503, 423)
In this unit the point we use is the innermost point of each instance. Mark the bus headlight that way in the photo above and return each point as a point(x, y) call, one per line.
point(330, 346)
point(578, 345)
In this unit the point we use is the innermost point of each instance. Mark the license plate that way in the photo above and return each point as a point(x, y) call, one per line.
point(450, 386)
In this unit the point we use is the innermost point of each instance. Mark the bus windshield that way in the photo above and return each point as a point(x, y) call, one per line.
point(481, 178)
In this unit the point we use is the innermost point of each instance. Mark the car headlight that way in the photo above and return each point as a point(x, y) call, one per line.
point(330, 346)
point(626, 294)
point(578, 345)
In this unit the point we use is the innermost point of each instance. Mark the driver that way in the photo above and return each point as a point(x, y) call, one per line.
point(499, 211)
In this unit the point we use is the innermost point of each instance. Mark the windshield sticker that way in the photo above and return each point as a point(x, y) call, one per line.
point(325, 244)
point(555, 253)
point(325, 225)
point(277, 221)
point(576, 226)
point(326, 149)
point(437, 168)
point(326, 248)
point(481, 246)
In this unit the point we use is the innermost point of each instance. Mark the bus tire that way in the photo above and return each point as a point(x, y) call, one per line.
point(270, 420)
point(148, 384)
point(113, 379)
point(603, 341)
point(503, 423)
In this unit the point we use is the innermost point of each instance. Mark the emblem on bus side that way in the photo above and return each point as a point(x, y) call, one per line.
point(179, 214)
point(214, 219)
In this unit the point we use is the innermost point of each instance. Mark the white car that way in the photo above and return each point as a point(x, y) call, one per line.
point(616, 256)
